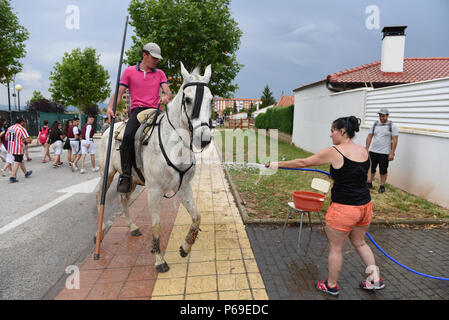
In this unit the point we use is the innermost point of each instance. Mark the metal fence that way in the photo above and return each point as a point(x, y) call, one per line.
point(31, 120)
point(35, 120)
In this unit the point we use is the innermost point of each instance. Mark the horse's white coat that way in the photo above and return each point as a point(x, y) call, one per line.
point(162, 179)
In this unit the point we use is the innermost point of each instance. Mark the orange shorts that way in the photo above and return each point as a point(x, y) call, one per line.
point(344, 217)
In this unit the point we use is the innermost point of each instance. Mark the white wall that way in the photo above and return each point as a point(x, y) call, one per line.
point(316, 108)
point(421, 166)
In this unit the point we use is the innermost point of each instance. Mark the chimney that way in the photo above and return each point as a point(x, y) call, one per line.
point(393, 45)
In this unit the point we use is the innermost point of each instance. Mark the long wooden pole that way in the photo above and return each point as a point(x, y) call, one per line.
point(108, 154)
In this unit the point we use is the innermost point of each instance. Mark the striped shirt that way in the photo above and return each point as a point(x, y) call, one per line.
point(16, 139)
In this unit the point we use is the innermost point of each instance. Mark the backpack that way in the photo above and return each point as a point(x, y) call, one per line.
point(389, 126)
point(43, 135)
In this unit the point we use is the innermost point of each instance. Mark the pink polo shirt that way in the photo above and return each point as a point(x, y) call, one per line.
point(143, 86)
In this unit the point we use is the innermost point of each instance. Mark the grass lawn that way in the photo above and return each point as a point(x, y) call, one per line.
point(266, 196)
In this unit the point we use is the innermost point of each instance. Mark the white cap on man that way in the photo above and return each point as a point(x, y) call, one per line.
point(153, 49)
point(383, 111)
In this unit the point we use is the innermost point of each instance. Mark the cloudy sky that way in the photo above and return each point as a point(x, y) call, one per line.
point(285, 43)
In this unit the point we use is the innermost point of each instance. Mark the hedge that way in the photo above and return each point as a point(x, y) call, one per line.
point(280, 118)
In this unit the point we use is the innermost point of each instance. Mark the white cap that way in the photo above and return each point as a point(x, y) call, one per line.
point(153, 49)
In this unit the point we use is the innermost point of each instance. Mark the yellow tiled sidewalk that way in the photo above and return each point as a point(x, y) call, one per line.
point(221, 264)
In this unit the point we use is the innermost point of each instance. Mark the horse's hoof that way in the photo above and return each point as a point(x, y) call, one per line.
point(136, 233)
point(162, 268)
point(182, 252)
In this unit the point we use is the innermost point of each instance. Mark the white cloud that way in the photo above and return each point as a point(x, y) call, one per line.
point(29, 77)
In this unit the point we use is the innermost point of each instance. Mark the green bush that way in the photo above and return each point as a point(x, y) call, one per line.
point(276, 118)
point(260, 121)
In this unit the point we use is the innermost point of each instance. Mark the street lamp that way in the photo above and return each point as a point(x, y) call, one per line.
point(18, 89)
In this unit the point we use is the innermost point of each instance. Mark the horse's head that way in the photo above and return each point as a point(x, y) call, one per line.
point(197, 103)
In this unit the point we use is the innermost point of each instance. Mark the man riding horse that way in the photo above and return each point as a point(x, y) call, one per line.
point(143, 82)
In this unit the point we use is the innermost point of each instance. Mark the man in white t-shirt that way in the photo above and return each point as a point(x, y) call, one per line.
point(381, 144)
point(75, 144)
point(87, 144)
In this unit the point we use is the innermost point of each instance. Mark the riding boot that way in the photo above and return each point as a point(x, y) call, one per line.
point(125, 180)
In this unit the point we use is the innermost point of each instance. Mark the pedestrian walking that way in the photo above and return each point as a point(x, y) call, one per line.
point(43, 140)
point(3, 141)
point(26, 145)
point(143, 82)
point(6, 157)
point(75, 143)
point(350, 212)
point(56, 139)
point(87, 144)
point(66, 145)
point(17, 136)
point(381, 143)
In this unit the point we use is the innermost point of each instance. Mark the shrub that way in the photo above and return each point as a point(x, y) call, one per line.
point(280, 118)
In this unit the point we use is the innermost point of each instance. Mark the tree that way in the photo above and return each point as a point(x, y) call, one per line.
point(37, 95)
point(252, 108)
point(79, 80)
point(267, 97)
point(44, 105)
point(197, 33)
point(12, 43)
point(227, 111)
point(91, 110)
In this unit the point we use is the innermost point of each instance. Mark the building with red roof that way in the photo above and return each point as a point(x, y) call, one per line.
point(286, 101)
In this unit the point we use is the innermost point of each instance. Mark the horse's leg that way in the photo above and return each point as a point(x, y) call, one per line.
point(135, 232)
point(154, 202)
point(187, 200)
point(108, 184)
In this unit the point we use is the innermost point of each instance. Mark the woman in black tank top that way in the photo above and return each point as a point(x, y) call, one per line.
point(350, 212)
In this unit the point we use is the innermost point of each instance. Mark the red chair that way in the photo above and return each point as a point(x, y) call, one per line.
point(305, 202)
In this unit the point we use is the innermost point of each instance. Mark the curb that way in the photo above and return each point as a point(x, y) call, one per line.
point(250, 220)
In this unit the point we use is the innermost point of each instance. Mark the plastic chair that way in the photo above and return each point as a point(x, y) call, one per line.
point(319, 185)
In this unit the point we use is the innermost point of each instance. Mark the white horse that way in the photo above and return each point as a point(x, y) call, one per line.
point(168, 158)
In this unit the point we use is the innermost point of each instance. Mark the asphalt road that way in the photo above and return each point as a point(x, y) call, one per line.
point(47, 223)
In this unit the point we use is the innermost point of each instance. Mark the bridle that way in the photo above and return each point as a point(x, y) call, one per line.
point(195, 115)
point(195, 112)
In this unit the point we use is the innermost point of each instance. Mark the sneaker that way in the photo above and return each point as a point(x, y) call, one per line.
point(365, 285)
point(70, 164)
point(82, 171)
point(12, 180)
point(44, 161)
point(3, 172)
point(381, 189)
point(55, 166)
point(95, 169)
point(28, 173)
point(370, 185)
point(323, 286)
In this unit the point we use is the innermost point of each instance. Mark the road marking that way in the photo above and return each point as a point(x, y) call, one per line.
point(84, 187)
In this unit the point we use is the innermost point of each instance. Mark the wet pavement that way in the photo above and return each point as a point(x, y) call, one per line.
point(290, 272)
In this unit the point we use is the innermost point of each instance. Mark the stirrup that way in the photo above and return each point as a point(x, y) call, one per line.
point(121, 186)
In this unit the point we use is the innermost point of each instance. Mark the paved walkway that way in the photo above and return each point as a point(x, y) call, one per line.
point(220, 266)
point(290, 272)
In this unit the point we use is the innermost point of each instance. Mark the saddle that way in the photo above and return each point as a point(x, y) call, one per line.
point(147, 120)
